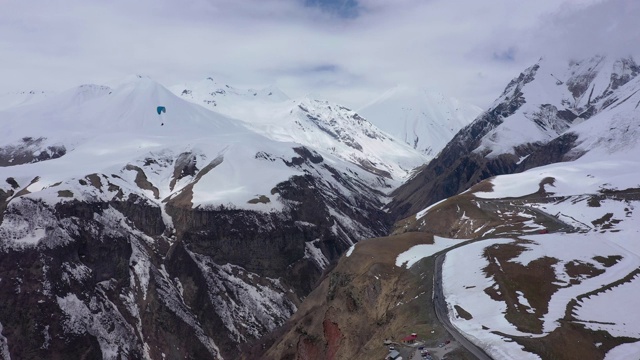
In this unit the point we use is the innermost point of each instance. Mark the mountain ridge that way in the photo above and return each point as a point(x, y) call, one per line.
point(495, 143)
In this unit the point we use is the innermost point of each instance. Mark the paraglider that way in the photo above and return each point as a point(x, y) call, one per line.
point(160, 110)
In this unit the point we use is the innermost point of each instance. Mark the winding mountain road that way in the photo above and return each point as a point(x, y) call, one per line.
point(439, 302)
point(440, 307)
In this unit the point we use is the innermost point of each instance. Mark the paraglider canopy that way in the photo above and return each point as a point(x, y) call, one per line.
point(161, 109)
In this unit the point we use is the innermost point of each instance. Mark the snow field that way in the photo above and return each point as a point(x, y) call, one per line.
point(571, 178)
point(463, 284)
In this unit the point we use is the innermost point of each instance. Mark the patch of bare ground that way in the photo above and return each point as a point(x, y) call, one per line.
point(546, 181)
point(608, 261)
point(487, 186)
point(11, 181)
point(184, 165)
point(579, 270)
point(572, 340)
point(65, 193)
point(465, 216)
point(24, 190)
point(95, 181)
point(594, 201)
point(184, 198)
point(632, 275)
point(142, 181)
point(260, 199)
point(458, 217)
point(483, 186)
point(535, 281)
point(462, 312)
point(606, 222)
point(365, 300)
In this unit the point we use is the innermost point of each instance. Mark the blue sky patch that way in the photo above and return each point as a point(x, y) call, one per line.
point(344, 8)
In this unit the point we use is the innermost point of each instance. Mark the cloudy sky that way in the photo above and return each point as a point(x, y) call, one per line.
point(343, 50)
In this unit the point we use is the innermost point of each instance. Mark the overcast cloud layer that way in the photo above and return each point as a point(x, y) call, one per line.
point(343, 50)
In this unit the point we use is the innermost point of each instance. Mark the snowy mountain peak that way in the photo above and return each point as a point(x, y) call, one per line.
point(132, 106)
point(550, 97)
point(337, 130)
point(426, 120)
point(593, 78)
point(318, 124)
point(212, 93)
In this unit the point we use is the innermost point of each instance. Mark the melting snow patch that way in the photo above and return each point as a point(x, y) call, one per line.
point(423, 212)
point(351, 250)
point(524, 302)
point(314, 253)
point(418, 252)
point(522, 158)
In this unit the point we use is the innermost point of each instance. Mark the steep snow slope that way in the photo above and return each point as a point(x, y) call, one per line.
point(185, 234)
point(423, 119)
point(317, 124)
point(129, 108)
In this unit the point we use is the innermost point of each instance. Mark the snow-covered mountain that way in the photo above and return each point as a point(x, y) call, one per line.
point(559, 97)
point(426, 120)
point(318, 124)
point(554, 111)
point(217, 94)
point(131, 232)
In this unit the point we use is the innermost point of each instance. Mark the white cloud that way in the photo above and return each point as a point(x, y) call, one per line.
point(467, 48)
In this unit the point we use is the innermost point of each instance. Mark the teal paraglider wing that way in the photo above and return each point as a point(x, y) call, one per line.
point(161, 109)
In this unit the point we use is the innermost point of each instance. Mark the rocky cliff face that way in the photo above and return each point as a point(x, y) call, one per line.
point(529, 125)
point(106, 276)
